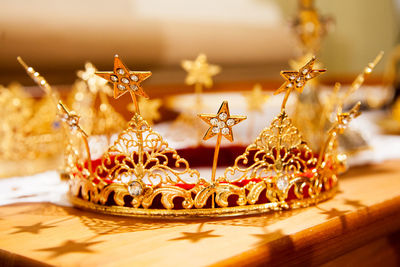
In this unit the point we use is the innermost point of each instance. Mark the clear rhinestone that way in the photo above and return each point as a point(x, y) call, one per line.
point(114, 78)
point(289, 85)
point(134, 78)
point(121, 87)
point(305, 71)
point(300, 84)
point(134, 87)
point(124, 80)
point(223, 116)
point(308, 76)
point(298, 79)
point(215, 130)
point(214, 121)
point(292, 77)
point(135, 189)
point(225, 131)
point(282, 183)
point(120, 71)
point(221, 124)
point(230, 122)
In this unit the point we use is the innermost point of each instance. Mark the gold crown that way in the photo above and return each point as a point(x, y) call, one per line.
point(141, 175)
point(30, 132)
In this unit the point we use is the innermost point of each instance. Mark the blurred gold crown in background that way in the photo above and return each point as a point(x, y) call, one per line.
point(30, 134)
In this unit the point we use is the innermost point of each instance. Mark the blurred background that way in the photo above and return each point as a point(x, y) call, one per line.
point(250, 39)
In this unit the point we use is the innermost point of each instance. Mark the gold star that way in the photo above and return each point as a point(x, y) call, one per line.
point(33, 229)
point(332, 213)
point(256, 98)
point(199, 71)
point(298, 79)
point(125, 80)
point(300, 62)
point(70, 246)
point(343, 119)
point(94, 82)
point(149, 109)
point(221, 123)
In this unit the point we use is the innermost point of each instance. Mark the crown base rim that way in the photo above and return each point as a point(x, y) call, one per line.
point(200, 213)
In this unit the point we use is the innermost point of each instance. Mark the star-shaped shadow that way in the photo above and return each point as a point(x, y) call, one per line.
point(70, 246)
point(267, 237)
point(332, 213)
point(354, 203)
point(33, 229)
point(196, 236)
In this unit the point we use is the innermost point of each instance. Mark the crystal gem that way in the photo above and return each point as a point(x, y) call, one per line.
point(135, 189)
point(298, 79)
point(134, 78)
point(282, 183)
point(214, 121)
point(292, 77)
point(124, 80)
point(120, 71)
point(289, 85)
point(114, 78)
point(221, 124)
point(308, 76)
point(134, 87)
point(230, 122)
point(223, 116)
point(215, 130)
point(305, 71)
point(300, 84)
point(121, 87)
point(225, 131)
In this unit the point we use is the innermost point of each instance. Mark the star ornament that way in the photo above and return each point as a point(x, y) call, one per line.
point(199, 71)
point(298, 79)
point(125, 80)
point(94, 82)
point(221, 123)
point(256, 98)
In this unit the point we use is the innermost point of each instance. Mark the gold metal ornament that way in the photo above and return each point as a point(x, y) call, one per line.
point(90, 89)
point(29, 133)
point(256, 98)
point(141, 175)
point(310, 26)
point(220, 125)
point(296, 80)
point(125, 80)
point(149, 109)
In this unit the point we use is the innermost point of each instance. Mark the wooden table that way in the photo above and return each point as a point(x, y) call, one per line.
point(359, 227)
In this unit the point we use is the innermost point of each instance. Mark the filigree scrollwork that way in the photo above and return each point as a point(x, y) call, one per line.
point(146, 156)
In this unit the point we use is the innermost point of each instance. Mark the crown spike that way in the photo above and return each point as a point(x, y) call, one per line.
point(221, 125)
point(72, 120)
point(125, 80)
point(296, 80)
point(38, 79)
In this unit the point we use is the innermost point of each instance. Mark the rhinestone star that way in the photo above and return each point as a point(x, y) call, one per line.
point(221, 123)
point(298, 79)
point(125, 80)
